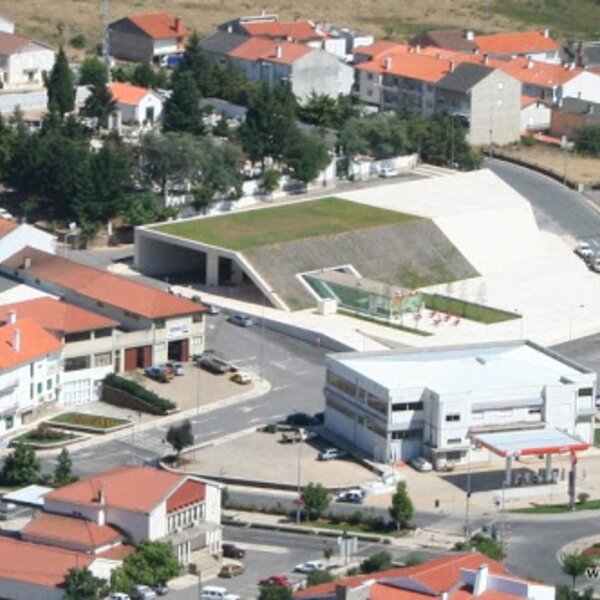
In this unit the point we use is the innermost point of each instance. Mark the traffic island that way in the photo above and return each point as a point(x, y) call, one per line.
point(88, 423)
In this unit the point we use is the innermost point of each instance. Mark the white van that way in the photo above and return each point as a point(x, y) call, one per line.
point(214, 592)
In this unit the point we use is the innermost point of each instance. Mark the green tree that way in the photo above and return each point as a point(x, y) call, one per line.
point(413, 559)
point(21, 467)
point(180, 436)
point(306, 155)
point(94, 72)
point(7, 138)
point(100, 104)
point(380, 136)
point(139, 208)
point(81, 584)
point(320, 110)
point(401, 510)
point(59, 83)
point(275, 592)
point(182, 111)
point(219, 165)
point(587, 140)
point(202, 69)
point(143, 75)
point(316, 499)
point(63, 471)
point(380, 561)
point(575, 565)
point(318, 577)
point(269, 181)
point(151, 563)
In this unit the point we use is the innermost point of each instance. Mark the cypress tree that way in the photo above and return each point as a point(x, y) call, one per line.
point(61, 90)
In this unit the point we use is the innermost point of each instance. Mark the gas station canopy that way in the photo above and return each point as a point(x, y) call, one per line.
point(529, 441)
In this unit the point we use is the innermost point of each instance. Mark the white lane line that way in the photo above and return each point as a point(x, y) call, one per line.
point(279, 365)
point(280, 387)
point(264, 548)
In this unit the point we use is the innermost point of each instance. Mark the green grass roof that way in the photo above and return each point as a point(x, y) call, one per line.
point(282, 224)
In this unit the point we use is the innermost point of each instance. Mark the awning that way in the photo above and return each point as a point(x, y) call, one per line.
point(523, 443)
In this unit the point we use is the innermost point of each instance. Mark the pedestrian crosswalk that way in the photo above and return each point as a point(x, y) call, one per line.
point(432, 171)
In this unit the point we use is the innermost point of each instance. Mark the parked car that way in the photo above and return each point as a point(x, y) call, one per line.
point(301, 419)
point(161, 589)
point(352, 496)
point(584, 250)
point(241, 377)
point(211, 309)
point(142, 592)
point(119, 596)
point(331, 454)
point(241, 320)
point(420, 464)
point(176, 367)
point(275, 580)
point(297, 435)
point(232, 551)
point(158, 374)
point(310, 566)
point(230, 570)
point(388, 172)
point(215, 592)
point(211, 362)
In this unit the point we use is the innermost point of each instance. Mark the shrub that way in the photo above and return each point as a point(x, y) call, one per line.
point(78, 41)
point(46, 434)
point(583, 497)
point(380, 561)
point(356, 518)
point(162, 405)
point(376, 524)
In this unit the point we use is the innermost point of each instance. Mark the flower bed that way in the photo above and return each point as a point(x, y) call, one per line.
point(45, 437)
point(88, 422)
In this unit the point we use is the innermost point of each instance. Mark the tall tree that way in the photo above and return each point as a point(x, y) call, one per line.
point(320, 110)
point(180, 436)
point(316, 499)
point(143, 75)
point(575, 565)
point(182, 112)
point(7, 137)
point(306, 155)
point(94, 72)
point(21, 467)
point(61, 90)
point(100, 104)
point(81, 584)
point(401, 510)
point(63, 471)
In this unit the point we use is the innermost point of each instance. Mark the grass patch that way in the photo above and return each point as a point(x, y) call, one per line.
point(87, 420)
point(44, 436)
point(550, 509)
point(283, 224)
point(596, 436)
point(412, 330)
point(467, 310)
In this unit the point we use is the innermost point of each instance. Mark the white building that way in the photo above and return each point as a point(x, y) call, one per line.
point(6, 25)
point(136, 105)
point(23, 61)
point(396, 405)
point(535, 114)
point(30, 369)
point(15, 236)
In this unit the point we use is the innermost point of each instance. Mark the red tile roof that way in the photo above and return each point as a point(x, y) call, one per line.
point(439, 574)
point(264, 49)
point(537, 73)
point(6, 226)
point(191, 492)
point(379, 47)
point(120, 552)
point(57, 316)
point(71, 530)
point(301, 31)
point(11, 43)
point(125, 93)
point(411, 65)
point(35, 342)
point(37, 563)
point(159, 26)
point(522, 42)
point(138, 489)
point(113, 290)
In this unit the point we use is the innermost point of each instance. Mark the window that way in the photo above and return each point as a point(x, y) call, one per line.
point(534, 411)
point(80, 336)
point(370, 76)
point(585, 392)
point(76, 363)
point(49, 384)
point(454, 441)
point(452, 417)
point(160, 324)
point(9, 422)
point(377, 404)
point(100, 304)
point(409, 434)
point(40, 388)
point(104, 359)
point(400, 406)
point(105, 332)
point(341, 384)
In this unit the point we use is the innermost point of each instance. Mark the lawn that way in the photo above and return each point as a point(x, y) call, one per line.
point(548, 509)
point(83, 420)
point(33, 438)
point(467, 310)
point(283, 224)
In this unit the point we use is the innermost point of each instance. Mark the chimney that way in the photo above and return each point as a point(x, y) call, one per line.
point(486, 59)
point(26, 263)
point(387, 63)
point(417, 49)
point(546, 32)
point(16, 340)
point(529, 63)
point(11, 317)
point(278, 51)
point(101, 498)
point(481, 580)
point(177, 25)
point(469, 35)
point(590, 109)
point(229, 28)
point(452, 65)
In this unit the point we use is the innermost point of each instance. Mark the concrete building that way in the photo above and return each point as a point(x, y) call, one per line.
point(486, 98)
point(453, 577)
point(572, 114)
point(306, 70)
point(30, 372)
point(396, 405)
point(23, 62)
point(535, 114)
point(153, 326)
point(6, 25)
point(135, 105)
point(15, 236)
point(147, 37)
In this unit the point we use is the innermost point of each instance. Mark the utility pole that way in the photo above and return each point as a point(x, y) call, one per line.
point(105, 40)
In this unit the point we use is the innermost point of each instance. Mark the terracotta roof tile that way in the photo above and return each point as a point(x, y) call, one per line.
point(125, 93)
point(11, 43)
point(521, 42)
point(57, 316)
point(50, 527)
point(264, 49)
point(411, 65)
point(113, 290)
point(379, 47)
point(120, 552)
point(191, 492)
point(537, 73)
point(301, 31)
point(7, 226)
point(37, 563)
point(159, 26)
point(35, 342)
point(139, 489)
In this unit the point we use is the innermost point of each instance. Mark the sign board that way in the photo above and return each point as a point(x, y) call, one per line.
point(178, 329)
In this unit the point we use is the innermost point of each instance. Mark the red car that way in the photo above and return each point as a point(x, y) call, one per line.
point(275, 580)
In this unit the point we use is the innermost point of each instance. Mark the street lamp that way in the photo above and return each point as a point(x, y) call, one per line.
point(468, 496)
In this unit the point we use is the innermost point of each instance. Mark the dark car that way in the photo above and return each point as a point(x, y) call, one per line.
point(241, 320)
point(232, 551)
point(161, 589)
point(158, 374)
point(300, 419)
point(213, 364)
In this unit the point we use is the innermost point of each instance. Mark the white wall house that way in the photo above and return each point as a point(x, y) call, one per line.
point(535, 114)
point(15, 236)
point(23, 62)
point(6, 25)
point(136, 105)
point(396, 405)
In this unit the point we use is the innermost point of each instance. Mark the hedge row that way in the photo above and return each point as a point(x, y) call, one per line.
point(135, 389)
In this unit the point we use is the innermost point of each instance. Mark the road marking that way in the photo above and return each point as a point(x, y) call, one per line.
point(264, 548)
point(280, 387)
point(279, 365)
